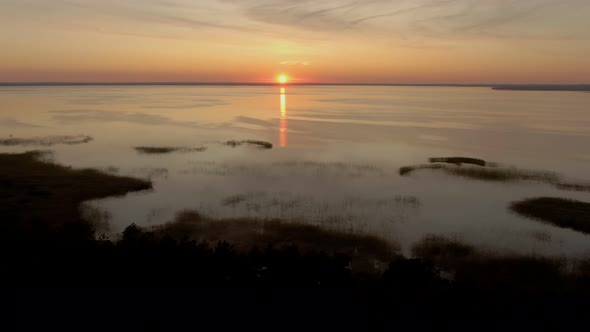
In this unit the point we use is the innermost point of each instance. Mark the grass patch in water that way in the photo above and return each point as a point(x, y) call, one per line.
point(487, 171)
point(560, 212)
point(503, 174)
point(166, 149)
point(406, 170)
point(459, 161)
point(541, 236)
point(573, 186)
point(46, 141)
point(234, 200)
point(260, 144)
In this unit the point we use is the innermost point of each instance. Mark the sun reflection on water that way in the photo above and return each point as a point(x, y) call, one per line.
point(283, 120)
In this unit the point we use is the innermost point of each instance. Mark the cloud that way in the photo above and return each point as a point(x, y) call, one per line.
point(295, 63)
point(404, 19)
point(153, 11)
point(411, 19)
point(162, 19)
point(309, 15)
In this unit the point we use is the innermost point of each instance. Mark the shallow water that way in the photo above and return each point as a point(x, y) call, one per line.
point(336, 155)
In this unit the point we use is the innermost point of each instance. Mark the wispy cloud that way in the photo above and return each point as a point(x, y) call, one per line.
point(422, 18)
point(403, 18)
point(310, 15)
point(295, 63)
point(154, 11)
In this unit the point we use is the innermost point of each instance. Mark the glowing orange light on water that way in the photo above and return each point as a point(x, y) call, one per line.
point(283, 120)
point(283, 104)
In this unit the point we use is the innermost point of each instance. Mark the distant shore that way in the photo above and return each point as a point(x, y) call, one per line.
point(512, 87)
point(579, 87)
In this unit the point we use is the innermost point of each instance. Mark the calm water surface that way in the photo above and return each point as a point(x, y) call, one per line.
point(335, 159)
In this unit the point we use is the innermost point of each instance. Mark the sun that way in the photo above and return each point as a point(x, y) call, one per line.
point(282, 79)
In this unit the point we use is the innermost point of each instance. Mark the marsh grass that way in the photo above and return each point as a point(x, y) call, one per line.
point(487, 171)
point(406, 170)
point(234, 200)
point(33, 189)
point(260, 144)
point(503, 174)
point(459, 161)
point(349, 213)
point(46, 141)
point(288, 201)
point(573, 186)
point(286, 168)
point(560, 212)
point(487, 174)
point(541, 236)
point(331, 167)
point(166, 150)
point(152, 173)
point(110, 170)
point(249, 233)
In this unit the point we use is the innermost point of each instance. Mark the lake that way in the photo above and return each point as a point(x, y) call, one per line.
point(335, 159)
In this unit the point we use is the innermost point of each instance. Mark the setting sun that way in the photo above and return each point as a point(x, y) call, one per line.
point(282, 79)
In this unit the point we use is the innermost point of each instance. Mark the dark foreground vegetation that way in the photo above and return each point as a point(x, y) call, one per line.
point(149, 281)
point(58, 274)
point(560, 212)
point(525, 274)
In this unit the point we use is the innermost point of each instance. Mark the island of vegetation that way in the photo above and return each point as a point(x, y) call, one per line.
point(166, 149)
point(260, 144)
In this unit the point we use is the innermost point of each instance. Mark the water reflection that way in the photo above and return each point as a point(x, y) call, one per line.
point(283, 120)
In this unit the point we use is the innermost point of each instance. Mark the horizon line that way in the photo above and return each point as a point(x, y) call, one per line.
point(189, 83)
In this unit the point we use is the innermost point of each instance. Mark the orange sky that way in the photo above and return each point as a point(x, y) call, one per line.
point(341, 41)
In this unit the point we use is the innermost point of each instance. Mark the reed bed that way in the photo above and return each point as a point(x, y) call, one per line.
point(46, 141)
point(260, 144)
point(166, 150)
point(479, 169)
